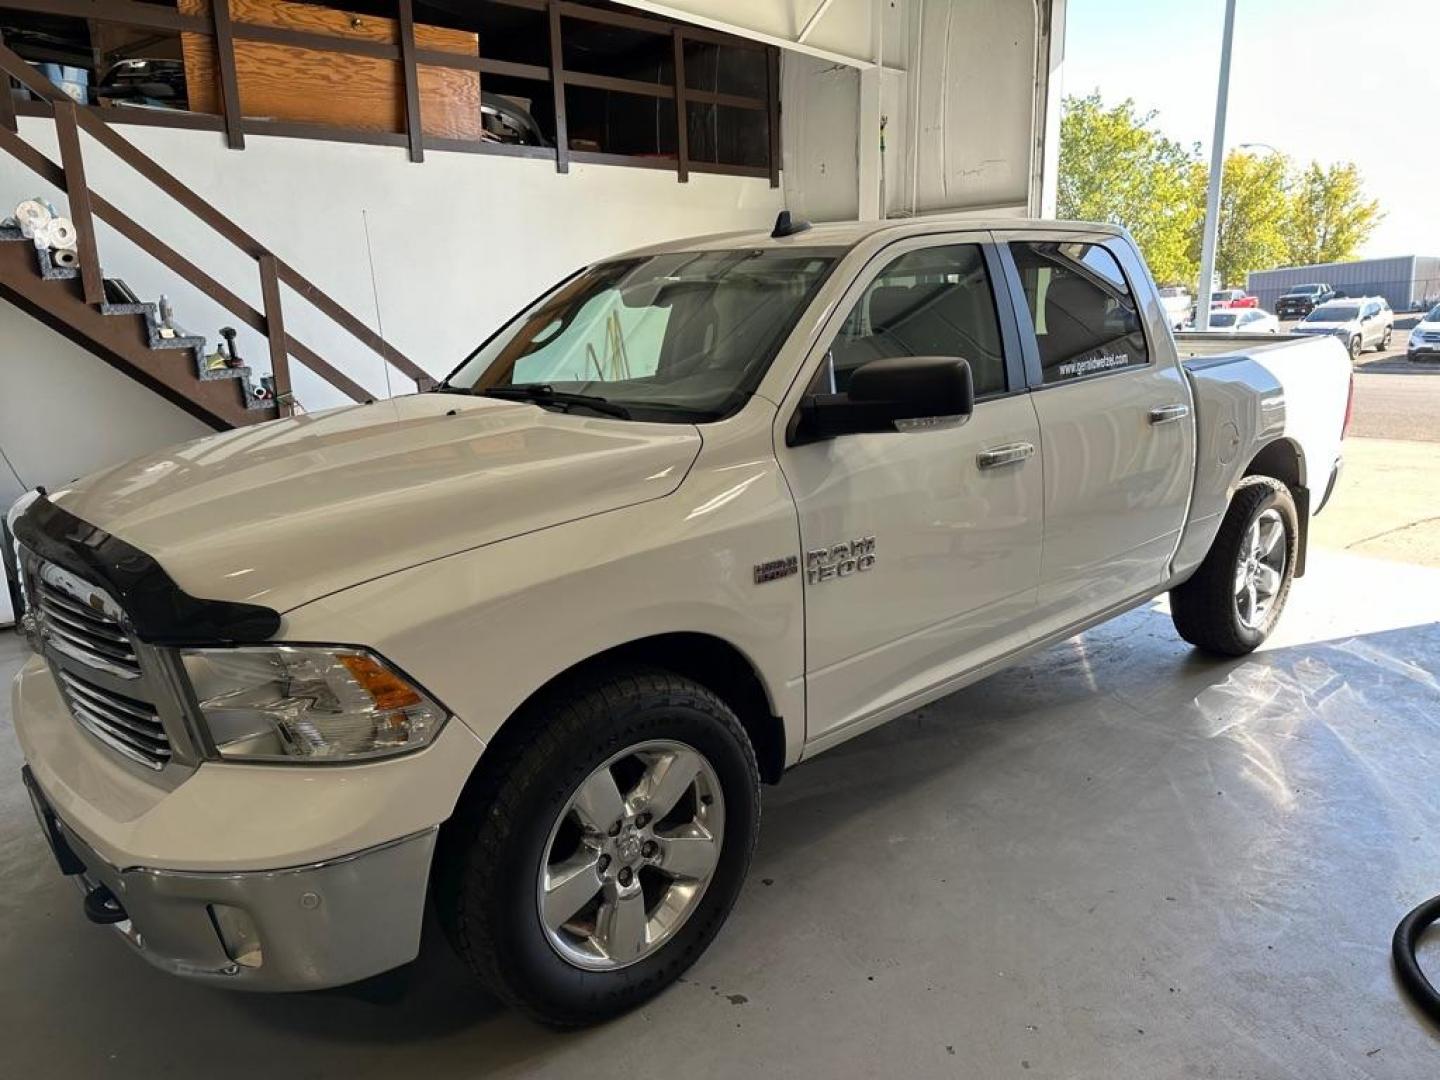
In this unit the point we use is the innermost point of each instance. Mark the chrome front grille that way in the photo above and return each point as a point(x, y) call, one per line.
point(1431, 336)
point(126, 725)
point(119, 690)
point(83, 623)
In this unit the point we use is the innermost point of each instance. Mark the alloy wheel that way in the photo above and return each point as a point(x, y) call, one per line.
point(1260, 571)
point(631, 854)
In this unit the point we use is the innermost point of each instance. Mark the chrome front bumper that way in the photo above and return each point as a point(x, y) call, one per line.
point(299, 928)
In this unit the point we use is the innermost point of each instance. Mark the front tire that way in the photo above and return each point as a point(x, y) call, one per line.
point(1357, 346)
point(604, 847)
point(1233, 601)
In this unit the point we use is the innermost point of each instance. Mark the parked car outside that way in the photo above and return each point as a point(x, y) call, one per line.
point(1178, 304)
point(1424, 343)
point(1221, 299)
point(1244, 321)
point(1303, 299)
point(1363, 323)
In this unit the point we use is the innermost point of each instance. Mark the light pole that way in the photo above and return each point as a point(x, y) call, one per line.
point(1259, 145)
point(1217, 167)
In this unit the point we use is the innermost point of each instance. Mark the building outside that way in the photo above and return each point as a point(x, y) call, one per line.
point(1408, 282)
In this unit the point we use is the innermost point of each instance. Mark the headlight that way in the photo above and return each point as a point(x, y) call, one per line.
point(308, 703)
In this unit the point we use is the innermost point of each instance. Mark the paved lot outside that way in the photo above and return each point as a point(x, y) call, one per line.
point(1391, 359)
point(1386, 504)
point(1397, 406)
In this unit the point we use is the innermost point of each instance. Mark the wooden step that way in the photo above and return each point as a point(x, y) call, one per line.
point(122, 341)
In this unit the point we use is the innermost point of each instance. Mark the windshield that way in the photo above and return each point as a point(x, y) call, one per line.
point(1333, 313)
point(1222, 318)
point(1433, 315)
point(1223, 294)
point(681, 336)
point(1311, 290)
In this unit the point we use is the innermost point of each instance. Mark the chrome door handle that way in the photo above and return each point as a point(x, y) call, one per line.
point(1165, 414)
point(1004, 455)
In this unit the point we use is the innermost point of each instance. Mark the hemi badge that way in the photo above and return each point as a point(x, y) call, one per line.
point(776, 569)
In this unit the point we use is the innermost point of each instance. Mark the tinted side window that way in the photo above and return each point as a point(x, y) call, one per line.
point(931, 302)
point(1084, 314)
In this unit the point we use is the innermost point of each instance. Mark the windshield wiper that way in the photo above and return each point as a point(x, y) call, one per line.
point(545, 394)
point(446, 388)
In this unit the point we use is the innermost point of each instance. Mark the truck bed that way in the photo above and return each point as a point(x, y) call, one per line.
point(1250, 391)
point(1193, 343)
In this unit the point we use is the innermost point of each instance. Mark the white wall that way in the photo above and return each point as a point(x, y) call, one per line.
point(460, 241)
point(818, 132)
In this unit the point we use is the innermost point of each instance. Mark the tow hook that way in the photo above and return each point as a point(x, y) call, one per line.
point(102, 907)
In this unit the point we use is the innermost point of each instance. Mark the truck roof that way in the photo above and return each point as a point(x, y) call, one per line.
point(845, 234)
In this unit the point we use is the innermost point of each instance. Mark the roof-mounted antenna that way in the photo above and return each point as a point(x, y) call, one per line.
point(785, 225)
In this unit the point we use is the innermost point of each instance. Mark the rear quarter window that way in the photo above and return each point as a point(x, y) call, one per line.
point(1083, 312)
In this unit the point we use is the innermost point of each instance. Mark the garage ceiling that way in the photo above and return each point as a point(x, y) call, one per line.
point(836, 30)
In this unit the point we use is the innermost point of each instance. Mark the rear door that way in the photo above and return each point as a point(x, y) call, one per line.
point(921, 547)
point(1373, 323)
point(1117, 434)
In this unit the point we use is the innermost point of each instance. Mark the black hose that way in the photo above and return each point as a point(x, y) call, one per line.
point(1407, 967)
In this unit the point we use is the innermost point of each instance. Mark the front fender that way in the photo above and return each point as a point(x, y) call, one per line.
point(484, 629)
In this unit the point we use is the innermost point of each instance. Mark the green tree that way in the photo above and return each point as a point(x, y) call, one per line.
point(1254, 212)
point(1115, 166)
point(1329, 215)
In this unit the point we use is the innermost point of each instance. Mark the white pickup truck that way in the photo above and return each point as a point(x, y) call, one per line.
point(527, 646)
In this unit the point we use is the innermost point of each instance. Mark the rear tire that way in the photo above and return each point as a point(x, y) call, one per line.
point(501, 873)
point(1384, 340)
point(1357, 346)
point(1232, 602)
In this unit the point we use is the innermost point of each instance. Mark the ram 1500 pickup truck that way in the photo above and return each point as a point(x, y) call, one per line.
point(526, 646)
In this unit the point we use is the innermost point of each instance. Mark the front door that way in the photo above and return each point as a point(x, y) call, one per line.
point(921, 548)
point(1115, 416)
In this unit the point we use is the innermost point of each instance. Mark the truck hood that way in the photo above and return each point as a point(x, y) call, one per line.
point(286, 512)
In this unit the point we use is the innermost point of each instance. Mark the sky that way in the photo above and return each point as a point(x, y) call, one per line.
point(1325, 79)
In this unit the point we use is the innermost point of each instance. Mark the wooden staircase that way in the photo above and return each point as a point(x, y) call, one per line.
point(95, 313)
point(126, 338)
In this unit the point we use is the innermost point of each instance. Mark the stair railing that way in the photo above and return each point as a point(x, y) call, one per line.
point(86, 205)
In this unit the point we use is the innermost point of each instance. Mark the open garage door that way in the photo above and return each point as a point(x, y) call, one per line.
point(902, 107)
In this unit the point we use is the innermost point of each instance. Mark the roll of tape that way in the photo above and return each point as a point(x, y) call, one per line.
point(31, 215)
point(66, 258)
point(60, 234)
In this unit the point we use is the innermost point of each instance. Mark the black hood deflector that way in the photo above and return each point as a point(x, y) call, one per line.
point(160, 612)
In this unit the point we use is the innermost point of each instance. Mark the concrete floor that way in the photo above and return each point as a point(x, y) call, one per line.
point(1387, 503)
point(1117, 860)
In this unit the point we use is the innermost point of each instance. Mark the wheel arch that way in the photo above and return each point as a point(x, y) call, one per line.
point(712, 661)
point(1284, 460)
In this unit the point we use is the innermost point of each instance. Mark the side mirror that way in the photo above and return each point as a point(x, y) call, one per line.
point(885, 391)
